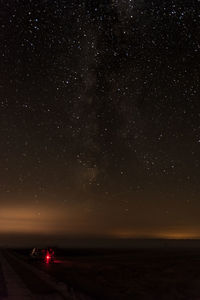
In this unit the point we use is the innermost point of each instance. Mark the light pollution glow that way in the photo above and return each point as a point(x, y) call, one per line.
point(49, 220)
point(74, 221)
point(165, 234)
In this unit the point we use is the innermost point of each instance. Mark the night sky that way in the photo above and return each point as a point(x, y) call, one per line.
point(100, 118)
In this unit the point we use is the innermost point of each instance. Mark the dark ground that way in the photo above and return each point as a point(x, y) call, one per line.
point(127, 274)
point(3, 289)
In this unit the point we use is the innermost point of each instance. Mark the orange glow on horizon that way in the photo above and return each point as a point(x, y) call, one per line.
point(75, 222)
point(155, 235)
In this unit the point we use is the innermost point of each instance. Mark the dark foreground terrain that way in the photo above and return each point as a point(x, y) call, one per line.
point(128, 274)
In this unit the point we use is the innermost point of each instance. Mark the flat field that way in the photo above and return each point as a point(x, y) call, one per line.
point(128, 274)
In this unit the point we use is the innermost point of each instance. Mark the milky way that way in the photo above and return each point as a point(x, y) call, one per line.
point(100, 116)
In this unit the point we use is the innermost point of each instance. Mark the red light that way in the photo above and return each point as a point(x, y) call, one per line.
point(47, 256)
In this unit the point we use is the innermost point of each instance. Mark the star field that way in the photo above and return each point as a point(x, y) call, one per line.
point(100, 115)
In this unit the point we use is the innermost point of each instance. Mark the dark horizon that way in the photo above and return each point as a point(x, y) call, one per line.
point(88, 242)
